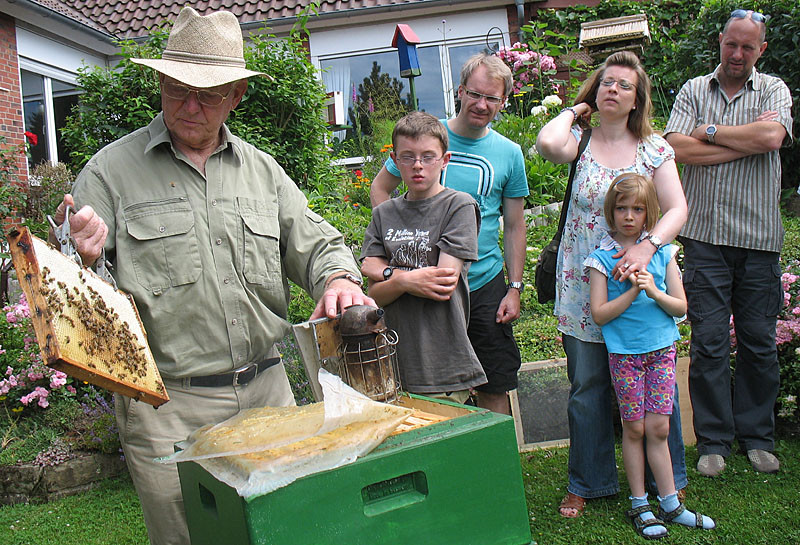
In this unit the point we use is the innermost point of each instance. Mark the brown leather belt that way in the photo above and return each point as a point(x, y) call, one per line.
point(237, 377)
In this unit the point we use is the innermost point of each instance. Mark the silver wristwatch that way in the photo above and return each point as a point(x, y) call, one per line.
point(517, 286)
point(655, 240)
point(711, 132)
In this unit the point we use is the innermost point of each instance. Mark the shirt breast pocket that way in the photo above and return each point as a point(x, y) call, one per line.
point(164, 249)
point(261, 236)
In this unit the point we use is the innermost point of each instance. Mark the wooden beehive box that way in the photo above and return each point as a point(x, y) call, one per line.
point(85, 327)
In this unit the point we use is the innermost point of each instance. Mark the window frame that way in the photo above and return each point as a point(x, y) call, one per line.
point(48, 74)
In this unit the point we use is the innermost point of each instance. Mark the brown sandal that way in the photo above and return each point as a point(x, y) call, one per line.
point(572, 501)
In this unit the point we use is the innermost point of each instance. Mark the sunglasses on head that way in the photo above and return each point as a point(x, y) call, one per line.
point(754, 15)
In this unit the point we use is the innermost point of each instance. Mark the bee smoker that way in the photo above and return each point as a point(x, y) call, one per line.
point(368, 353)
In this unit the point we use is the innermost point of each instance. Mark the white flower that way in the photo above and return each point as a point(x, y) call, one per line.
point(538, 110)
point(551, 100)
point(532, 152)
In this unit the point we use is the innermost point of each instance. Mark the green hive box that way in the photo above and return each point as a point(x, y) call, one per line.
point(453, 482)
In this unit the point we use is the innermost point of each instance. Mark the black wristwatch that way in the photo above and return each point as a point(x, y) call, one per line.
point(387, 273)
point(517, 286)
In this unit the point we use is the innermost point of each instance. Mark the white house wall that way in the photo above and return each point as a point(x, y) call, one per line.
point(51, 58)
point(378, 37)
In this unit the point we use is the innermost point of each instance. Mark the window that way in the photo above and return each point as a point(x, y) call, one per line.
point(435, 88)
point(46, 104)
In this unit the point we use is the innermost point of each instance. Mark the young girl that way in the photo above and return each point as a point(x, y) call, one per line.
point(636, 317)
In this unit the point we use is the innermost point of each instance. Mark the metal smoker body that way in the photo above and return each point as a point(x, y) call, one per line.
point(368, 353)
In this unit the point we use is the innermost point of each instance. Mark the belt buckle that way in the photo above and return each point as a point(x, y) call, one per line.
point(238, 372)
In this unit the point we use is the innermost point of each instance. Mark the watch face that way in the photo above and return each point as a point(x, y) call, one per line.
point(387, 272)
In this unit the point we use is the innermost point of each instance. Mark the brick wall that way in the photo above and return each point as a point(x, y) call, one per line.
point(11, 126)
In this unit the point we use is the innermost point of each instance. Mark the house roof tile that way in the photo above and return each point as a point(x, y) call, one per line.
point(134, 18)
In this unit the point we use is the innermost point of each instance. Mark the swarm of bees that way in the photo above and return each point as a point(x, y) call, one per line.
point(100, 332)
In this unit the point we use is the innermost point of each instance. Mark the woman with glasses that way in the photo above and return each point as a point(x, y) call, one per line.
point(622, 140)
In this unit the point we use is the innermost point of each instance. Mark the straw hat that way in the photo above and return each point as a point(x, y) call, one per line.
point(203, 51)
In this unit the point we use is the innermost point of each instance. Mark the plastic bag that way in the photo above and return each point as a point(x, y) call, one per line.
point(261, 450)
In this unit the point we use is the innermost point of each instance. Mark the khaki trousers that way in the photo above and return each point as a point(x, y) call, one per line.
point(147, 433)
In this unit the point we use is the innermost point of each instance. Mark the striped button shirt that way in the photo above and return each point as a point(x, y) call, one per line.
point(734, 203)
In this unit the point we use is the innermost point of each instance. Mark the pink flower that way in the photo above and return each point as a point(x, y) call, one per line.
point(57, 380)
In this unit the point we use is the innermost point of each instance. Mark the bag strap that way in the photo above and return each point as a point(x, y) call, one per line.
point(568, 192)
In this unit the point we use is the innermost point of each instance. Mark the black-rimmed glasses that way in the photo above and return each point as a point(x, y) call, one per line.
point(204, 97)
point(491, 99)
point(754, 15)
point(410, 160)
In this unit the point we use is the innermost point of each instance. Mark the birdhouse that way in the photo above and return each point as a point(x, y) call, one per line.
point(601, 38)
point(405, 40)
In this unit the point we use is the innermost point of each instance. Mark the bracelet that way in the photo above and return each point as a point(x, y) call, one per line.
point(572, 111)
point(347, 276)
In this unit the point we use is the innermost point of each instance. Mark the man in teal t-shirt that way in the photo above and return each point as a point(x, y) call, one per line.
point(491, 168)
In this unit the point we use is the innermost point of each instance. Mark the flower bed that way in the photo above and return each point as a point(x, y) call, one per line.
point(45, 415)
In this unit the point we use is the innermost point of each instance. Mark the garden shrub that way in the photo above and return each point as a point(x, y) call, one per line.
point(546, 180)
point(788, 339)
point(46, 188)
point(533, 71)
point(39, 404)
point(12, 198)
point(283, 117)
point(114, 102)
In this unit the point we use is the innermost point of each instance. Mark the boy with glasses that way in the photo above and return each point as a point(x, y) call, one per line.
point(491, 168)
point(416, 254)
point(727, 127)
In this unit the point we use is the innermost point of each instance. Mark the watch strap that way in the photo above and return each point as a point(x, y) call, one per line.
point(347, 276)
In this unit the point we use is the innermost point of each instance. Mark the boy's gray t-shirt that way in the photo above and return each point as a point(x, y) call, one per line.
point(434, 352)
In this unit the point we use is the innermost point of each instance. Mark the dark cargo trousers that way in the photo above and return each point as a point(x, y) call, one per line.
point(720, 281)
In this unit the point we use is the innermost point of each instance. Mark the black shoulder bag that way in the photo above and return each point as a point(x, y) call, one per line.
point(545, 273)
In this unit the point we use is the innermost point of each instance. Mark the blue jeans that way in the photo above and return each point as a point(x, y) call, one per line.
point(591, 412)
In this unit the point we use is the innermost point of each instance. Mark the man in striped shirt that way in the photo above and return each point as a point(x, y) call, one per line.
point(727, 127)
